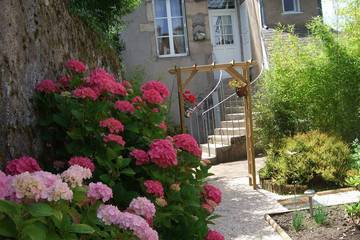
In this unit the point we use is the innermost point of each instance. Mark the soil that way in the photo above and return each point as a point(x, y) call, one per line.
point(338, 226)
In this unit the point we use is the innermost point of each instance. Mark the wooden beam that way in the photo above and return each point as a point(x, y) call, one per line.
point(212, 67)
point(181, 101)
point(235, 74)
point(250, 152)
point(192, 74)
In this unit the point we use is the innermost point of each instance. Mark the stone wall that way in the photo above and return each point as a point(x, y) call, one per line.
point(36, 37)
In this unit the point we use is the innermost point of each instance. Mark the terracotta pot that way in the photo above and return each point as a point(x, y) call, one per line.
point(241, 92)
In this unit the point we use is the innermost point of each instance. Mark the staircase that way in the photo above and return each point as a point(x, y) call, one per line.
point(227, 140)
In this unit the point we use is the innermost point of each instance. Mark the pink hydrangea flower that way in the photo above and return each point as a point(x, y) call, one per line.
point(214, 235)
point(109, 214)
point(163, 126)
point(114, 125)
point(187, 143)
point(28, 186)
point(75, 66)
point(158, 86)
point(20, 165)
point(47, 86)
point(211, 192)
point(85, 93)
point(99, 191)
point(60, 191)
point(126, 84)
point(136, 99)
point(163, 153)
point(140, 156)
point(83, 162)
point(102, 81)
point(124, 106)
point(118, 89)
point(75, 175)
point(155, 110)
point(114, 138)
point(154, 187)
point(138, 225)
point(207, 207)
point(64, 80)
point(143, 207)
point(5, 186)
point(152, 96)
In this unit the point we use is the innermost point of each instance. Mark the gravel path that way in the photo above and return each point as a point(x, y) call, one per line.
point(242, 208)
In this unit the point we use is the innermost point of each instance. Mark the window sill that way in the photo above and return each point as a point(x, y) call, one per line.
point(173, 56)
point(291, 13)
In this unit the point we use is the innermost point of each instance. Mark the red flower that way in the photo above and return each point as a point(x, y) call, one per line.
point(189, 97)
point(214, 235)
point(212, 193)
point(163, 153)
point(141, 156)
point(152, 96)
point(20, 165)
point(114, 125)
point(187, 143)
point(82, 162)
point(75, 66)
point(47, 86)
point(154, 187)
point(158, 86)
point(85, 93)
point(124, 106)
point(114, 138)
point(64, 80)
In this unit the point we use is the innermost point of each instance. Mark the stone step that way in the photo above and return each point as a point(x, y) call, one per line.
point(210, 148)
point(234, 109)
point(230, 131)
point(221, 140)
point(234, 116)
point(232, 124)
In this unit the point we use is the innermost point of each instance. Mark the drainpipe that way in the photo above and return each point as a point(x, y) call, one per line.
point(261, 25)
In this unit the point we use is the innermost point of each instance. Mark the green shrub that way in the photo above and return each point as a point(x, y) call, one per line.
point(320, 215)
point(310, 85)
point(308, 158)
point(298, 221)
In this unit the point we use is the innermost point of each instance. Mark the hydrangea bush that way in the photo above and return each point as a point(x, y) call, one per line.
point(37, 205)
point(88, 114)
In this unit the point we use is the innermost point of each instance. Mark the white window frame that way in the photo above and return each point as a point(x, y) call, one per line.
point(296, 10)
point(171, 35)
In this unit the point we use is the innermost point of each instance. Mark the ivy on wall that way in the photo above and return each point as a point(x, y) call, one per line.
point(104, 16)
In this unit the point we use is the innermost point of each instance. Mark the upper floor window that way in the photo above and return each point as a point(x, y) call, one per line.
point(170, 28)
point(291, 6)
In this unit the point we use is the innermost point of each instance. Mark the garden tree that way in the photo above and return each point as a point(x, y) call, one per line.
point(310, 85)
point(89, 114)
point(104, 16)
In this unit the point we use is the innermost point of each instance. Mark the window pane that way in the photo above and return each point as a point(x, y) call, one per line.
point(221, 4)
point(227, 29)
point(178, 26)
point(228, 39)
point(162, 27)
point(164, 46)
point(176, 8)
point(226, 19)
point(179, 45)
point(160, 8)
point(289, 5)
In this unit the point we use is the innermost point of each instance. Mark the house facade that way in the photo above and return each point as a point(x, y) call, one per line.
point(290, 12)
point(163, 33)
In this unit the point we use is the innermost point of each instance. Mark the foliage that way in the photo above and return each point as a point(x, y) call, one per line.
point(308, 158)
point(298, 221)
point(42, 205)
point(312, 84)
point(72, 123)
point(105, 16)
point(353, 211)
point(320, 215)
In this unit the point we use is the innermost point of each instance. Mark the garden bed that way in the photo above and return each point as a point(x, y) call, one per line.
point(282, 189)
point(338, 226)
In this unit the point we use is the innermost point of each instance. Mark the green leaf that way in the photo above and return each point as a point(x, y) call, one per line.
point(122, 162)
point(9, 208)
point(40, 210)
point(81, 228)
point(35, 231)
point(127, 172)
point(77, 114)
point(60, 120)
point(7, 228)
point(79, 194)
point(75, 134)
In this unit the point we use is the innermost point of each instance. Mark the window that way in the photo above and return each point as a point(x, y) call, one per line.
point(170, 28)
point(221, 4)
point(290, 6)
point(223, 30)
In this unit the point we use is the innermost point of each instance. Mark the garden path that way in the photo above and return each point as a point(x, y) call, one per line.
point(242, 208)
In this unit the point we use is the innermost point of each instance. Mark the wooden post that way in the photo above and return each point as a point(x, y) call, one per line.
point(181, 100)
point(249, 129)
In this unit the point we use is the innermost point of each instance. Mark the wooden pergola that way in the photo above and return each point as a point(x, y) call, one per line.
point(244, 78)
